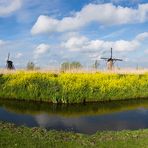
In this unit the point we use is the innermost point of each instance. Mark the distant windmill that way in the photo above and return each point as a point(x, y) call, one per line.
point(9, 63)
point(111, 61)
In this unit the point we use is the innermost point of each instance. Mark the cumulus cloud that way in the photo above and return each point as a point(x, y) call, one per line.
point(81, 43)
point(104, 14)
point(146, 51)
point(19, 55)
point(2, 42)
point(142, 36)
point(9, 6)
point(41, 49)
point(76, 43)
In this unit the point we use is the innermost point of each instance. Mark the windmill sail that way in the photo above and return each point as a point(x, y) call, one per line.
point(104, 58)
point(8, 56)
point(117, 59)
point(111, 53)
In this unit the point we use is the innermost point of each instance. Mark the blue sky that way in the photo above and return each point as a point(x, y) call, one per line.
point(51, 32)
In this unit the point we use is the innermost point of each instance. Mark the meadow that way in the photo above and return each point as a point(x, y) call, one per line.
point(12, 136)
point(72, 87)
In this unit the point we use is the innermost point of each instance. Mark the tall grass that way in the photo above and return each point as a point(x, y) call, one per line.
point(73, 88)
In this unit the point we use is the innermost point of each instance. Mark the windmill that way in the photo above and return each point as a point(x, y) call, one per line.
point(111, 61)
point(9, 64)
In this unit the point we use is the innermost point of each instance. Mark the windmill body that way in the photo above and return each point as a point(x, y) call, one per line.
point(9, 64)
point(110, 64)
point(111, 61)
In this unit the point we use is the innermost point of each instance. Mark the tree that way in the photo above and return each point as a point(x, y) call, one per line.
point(96, 64)
point(70, 65)
point(30, 66)
point(65, 66)
point(75, 65)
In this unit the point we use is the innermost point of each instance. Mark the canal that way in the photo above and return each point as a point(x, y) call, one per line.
point(81, 118)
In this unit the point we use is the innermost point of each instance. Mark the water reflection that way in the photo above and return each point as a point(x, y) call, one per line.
point(83, 118)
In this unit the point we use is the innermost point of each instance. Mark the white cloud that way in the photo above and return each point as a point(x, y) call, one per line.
point(41, 49)
point(18, 55)
point(9, 6)
point(115, 34)
point(45, 24)
point(104, 14)
point(81, 43)
point(2, 42)
point(146, 51)
point(75, 43)
point(123, 45)
point(142, 36)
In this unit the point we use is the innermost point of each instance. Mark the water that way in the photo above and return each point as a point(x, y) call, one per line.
point(80, 118)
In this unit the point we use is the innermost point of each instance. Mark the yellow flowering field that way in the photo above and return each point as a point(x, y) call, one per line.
point(73, 87)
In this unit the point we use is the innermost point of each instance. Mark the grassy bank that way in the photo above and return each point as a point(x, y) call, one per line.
point(72, 88)
point(11, 136)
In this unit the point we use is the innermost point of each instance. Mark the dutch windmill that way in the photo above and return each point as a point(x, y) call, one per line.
point(9, 64)
point(111, 61)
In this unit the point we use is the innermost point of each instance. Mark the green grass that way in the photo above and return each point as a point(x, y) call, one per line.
point(23, 137)
point(72, 88)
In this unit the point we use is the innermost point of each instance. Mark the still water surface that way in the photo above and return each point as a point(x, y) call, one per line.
point(81, 118)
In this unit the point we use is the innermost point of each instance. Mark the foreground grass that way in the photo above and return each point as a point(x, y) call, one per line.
point(11, 136)
point(73, 88)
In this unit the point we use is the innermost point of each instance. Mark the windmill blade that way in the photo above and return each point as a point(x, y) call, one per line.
point(104, 58)
point(111, 53)
point(8, 56)
point(117, 59)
